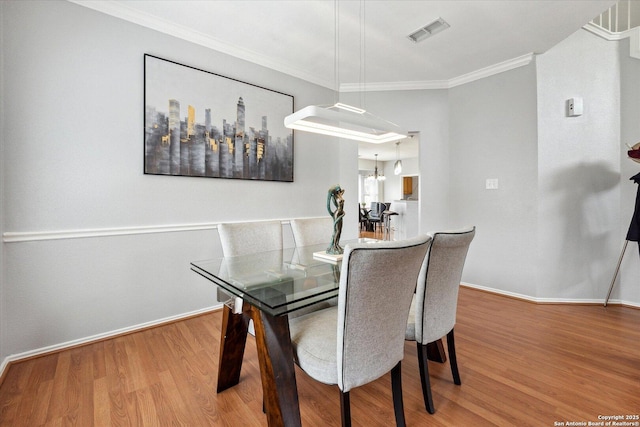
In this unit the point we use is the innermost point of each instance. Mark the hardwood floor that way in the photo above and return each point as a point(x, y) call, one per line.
point(377, 234)
point(521, 364)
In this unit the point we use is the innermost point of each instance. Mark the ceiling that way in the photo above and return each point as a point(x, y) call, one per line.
point(407, 148)
point(299, 37)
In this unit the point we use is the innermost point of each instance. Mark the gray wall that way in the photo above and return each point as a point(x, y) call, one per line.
point(552, 231)
point(492, 126)
point(72, 147)
point(578, 168)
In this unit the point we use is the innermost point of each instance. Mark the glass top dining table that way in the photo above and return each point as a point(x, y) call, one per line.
point(277, 282)
point(267, 287)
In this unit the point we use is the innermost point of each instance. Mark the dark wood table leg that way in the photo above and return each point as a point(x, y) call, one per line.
point(277, 369)
point(233, 338)
point(435, 351)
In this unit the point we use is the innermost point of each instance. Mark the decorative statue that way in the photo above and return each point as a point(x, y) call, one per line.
point(334, 197)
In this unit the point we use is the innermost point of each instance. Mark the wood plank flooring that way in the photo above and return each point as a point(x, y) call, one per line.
point(521, 364)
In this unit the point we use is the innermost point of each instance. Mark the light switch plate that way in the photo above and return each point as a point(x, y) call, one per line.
point(492, 184)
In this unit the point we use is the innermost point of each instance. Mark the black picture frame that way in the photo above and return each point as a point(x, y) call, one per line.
point(201, 124)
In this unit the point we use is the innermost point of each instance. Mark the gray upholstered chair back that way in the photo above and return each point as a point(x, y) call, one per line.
point(437, 290)
point(312, 231)
point(250, 237)
point(376, 288)
point(377, 208)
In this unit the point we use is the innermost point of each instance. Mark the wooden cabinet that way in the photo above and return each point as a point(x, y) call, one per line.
point(407, 185)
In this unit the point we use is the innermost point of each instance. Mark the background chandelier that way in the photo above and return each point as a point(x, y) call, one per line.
point(376, 176)
point(342, 120)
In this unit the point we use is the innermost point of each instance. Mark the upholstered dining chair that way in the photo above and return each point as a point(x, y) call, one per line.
point(312, 231)
point(433, 309)
point(362, 338)
point(376, 213)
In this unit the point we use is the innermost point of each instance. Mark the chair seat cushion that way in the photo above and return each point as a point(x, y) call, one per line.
point(410, 333)
point(314, 339)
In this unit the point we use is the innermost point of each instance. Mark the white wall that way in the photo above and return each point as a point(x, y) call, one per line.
point(578, 168)
point(493, 135)
point(72, 147)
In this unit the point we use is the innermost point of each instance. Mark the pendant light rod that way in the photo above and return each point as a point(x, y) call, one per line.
point(363, 55)
point(342, 120)
point(336, 50)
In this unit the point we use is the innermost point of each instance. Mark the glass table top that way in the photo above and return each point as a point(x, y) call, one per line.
point(280, 281)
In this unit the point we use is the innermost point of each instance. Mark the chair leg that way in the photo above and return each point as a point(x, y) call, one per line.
point(345, 409)
point(396, 387)
point(424, 378)
point(451, 346)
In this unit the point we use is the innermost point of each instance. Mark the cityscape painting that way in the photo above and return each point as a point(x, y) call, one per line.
point(198, 123)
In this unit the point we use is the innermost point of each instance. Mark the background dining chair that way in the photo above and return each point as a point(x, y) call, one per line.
point(364, 219)
point(245, 238)
point(376, 214)
point(433, 309)
point(362, 338)
point(312, 231)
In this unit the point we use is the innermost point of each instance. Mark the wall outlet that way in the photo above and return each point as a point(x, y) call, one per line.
point(491, 184)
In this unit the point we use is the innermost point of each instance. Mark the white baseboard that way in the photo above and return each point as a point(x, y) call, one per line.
point(551, 300)
point(99, 337)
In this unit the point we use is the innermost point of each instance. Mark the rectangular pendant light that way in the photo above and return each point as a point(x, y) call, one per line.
point(344, 121)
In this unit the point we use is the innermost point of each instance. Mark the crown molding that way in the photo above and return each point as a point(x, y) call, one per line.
point(491, 70)
point(632, 34)
point(606, 34)
point(127, 13)
point(382, 86)
point(122, 11)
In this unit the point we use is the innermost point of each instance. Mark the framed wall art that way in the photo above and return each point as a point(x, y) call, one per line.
point(198, 123)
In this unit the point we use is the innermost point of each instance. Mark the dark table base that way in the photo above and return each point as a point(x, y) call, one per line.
point(275, 355)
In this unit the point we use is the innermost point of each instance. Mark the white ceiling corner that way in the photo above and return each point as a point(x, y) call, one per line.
point(297, 37)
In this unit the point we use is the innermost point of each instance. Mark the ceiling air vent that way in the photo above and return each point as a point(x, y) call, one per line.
point(428, 30)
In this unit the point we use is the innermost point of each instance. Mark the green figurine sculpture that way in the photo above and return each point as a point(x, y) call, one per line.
point(335, 206)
